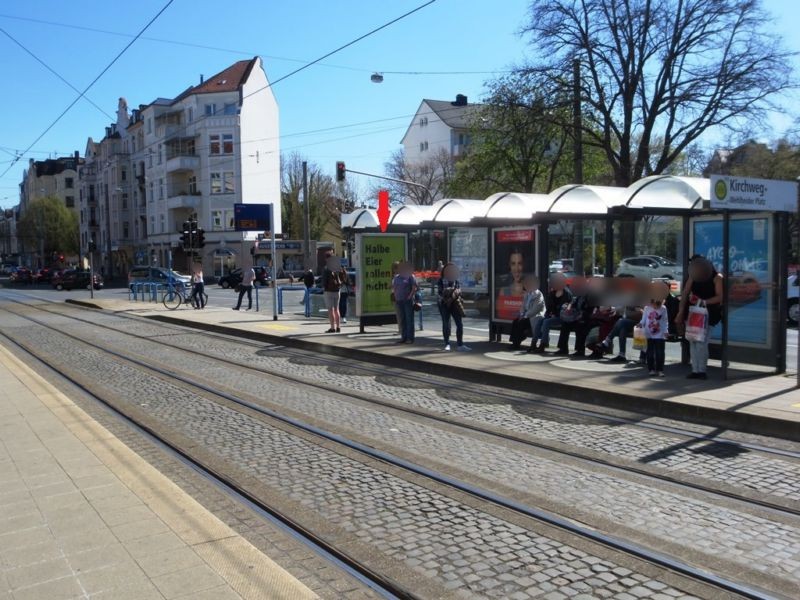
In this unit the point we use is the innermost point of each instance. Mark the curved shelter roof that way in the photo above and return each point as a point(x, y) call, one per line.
point(668, 192)
point(456, 210)
point(510, 205)
point(656, 193)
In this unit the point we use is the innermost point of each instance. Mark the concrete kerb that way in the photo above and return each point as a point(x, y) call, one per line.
point(620, 400)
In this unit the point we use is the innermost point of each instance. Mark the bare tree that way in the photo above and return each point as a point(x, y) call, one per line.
point(665, 70)
point(434, 174)
point(325, 209)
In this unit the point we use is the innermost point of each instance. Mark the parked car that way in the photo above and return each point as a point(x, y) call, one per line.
point(156, 275)
point(234, 277)
point(76, 278)
point(44, 275)
point(8, 269)
point(648, 266)
point(22, 275)
point(794, 299)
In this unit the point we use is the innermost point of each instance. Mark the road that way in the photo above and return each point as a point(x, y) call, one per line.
point(444, 489)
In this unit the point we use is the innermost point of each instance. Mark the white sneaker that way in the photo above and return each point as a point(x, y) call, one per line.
point(652, 373)
point(344, 320)
point(661, 374)
point(447, 348)
point(463, 348)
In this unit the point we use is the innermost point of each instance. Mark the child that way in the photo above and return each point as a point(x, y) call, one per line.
point(655, 322)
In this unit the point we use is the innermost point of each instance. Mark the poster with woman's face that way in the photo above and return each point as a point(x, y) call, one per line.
point(514, 258)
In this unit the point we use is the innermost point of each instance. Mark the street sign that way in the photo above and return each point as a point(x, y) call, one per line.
point(252, 217)
point(746, 193)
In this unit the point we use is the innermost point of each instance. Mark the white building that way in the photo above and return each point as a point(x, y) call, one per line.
point(194, 156)
point(439, 126)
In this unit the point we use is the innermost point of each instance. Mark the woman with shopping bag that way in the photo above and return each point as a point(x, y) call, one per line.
point(700, 310)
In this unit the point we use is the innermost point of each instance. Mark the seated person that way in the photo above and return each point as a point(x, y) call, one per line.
point(622, 329)
point(530, 315)
point(558, 296)
point(576, 317)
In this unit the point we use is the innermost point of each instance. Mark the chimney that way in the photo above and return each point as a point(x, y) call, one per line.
point(461, 100)
point(201, 79)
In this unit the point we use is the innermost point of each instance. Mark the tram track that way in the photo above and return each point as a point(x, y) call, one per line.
point(786, 508)
point(482, 494)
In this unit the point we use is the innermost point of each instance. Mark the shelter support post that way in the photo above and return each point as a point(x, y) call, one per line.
point(781, 243)
point(726, 269)
point(685, 250)
point(542, 258)
point(609, 266)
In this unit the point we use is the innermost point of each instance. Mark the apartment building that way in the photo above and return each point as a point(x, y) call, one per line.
point(439, 126)
point(56, 177)
point(193, 156)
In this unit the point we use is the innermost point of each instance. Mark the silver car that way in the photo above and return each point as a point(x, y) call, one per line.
point(650, 266)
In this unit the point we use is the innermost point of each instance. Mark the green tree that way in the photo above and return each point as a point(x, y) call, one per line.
point(47, 226)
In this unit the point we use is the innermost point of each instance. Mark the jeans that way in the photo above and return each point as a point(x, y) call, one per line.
point(197, 299)
point(406, 310)
point(546, 325)
point(655, 354)
point(698, 351)
point(622, 329)
point(245, 289)
point(447, 312)
point(343, 304)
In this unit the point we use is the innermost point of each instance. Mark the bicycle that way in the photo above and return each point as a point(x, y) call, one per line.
point(177, 294)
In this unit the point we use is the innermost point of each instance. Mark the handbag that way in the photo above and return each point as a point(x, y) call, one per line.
point(697, 323)
point(569, 313)
point(639, 339)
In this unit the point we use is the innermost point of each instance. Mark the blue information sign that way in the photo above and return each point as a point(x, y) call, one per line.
point(252, 217)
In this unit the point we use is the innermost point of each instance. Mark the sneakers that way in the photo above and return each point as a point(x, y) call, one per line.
point(661, 374)
point(652, 373)
point(447, 348)
point(697, 376)
point(619, 358)
point(344, 320)
point(463, 348)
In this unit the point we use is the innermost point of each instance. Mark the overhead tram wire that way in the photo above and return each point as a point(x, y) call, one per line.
point(269, 85)
point(53, 71)
point(91, 84)
point(244, 52)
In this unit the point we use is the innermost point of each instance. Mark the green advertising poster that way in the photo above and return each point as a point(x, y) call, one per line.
point(376, 253)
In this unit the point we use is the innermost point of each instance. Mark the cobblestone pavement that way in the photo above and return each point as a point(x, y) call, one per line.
point(659, 517)
point(760, 473)
point(441, 542)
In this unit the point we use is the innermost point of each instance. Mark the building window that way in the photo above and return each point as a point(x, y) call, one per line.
point(227, 143)
point(216, 220)
point(423, 121)
point(150, 158)
point(149, 125)
point(189, 114)
point(193, 185)
point(161, 189)
point(423, 146)
point(125, 230)
point(70, 201)
point(69, 183)
point(229, 108)
point(214, 146)
point(229, 215)
point(230, 183)
point(216, 183)
point(426, 145)
point(152, 191)
point(163, 224)
point(123, 175)
point(211, 109)
point(125, 202)
point(159, 154)
point(152, 225)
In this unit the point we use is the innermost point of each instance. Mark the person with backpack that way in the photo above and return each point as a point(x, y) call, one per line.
point(331, 286)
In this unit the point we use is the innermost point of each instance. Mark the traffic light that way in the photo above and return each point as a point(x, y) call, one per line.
point(340, 171)
point(186, 235)
point(201, 238)
point(92, 246)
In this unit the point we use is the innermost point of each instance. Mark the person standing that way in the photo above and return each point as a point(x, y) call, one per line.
point(344, 293)
point(704, 284)
point(246, 287)
point(404, 288)
point(451, 306)
point(397, 312)
point(198, 297)
point(655, 323)
point(331, 285)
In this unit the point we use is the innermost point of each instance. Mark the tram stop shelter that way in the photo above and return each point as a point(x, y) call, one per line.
point(648, 229)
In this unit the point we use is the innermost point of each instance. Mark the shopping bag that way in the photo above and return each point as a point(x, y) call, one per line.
point(697, 323)
point(639, 340)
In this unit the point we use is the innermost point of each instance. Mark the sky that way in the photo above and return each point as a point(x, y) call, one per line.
point(472, 39)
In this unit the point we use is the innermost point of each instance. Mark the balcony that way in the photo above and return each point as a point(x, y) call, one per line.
point(183, 201)
point(183, 162)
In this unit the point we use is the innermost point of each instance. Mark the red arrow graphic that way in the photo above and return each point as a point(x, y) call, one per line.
point(383, 209)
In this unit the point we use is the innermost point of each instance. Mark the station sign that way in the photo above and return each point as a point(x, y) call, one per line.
point(746, 193)
point(252, 217)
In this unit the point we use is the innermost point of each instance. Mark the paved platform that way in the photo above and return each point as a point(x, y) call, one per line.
point(767, 404)
point(83, 516)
